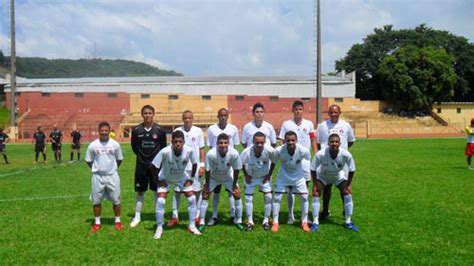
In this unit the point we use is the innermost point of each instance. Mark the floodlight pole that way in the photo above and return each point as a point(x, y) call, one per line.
point(12, 72)
point(319, 113)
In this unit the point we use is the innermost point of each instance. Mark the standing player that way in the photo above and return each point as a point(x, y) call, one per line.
point(148, 139)
point(76, 144)
point(104, 156)
point(304, 129)
point(56, 137)
point(4, 138)
point(327, 168)
point(193, 138)
point(212, 132)
point(39, 143)
point(258, 124)
point(470, 144)
point(222, 168)
point(258, 162)
point(291, 176)
point(347, 139)
point(169, 168)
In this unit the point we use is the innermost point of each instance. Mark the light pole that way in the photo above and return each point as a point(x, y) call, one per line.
point(12, 72)
point(318, 64)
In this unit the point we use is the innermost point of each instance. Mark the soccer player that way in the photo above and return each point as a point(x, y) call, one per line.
point(193, 138)
point(56, 137)
point(212, 132)
point(291, 176)
point(470, 144)
point(258, 124)
point(76, 144)
point(346, 133)
point(304, 129)
point(4, 138)
point(258, 162)
point(104, 156)
point(169, 168)
point(327, 168)
point(222, 168)
point(148, 138)
point(39, 143)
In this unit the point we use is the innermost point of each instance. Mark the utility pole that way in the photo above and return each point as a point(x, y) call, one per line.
point(319, 114)
point(13, 130)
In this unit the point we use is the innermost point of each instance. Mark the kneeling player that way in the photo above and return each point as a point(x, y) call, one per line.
point(169, 166)
point(258, 163)
point(327, 168)
point(222, 168)
point(291, 176)
point(104, 156)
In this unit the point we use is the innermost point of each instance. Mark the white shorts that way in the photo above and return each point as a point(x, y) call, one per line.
point(264, 187)
point(197, 186)
point(332, 180)
point(178, 186)
point(105, 186)
point(296, 186)
point(228, 184)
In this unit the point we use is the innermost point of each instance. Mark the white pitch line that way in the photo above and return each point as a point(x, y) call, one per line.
point(50, 197)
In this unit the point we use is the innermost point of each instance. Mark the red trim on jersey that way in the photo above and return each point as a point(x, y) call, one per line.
point(312, 135)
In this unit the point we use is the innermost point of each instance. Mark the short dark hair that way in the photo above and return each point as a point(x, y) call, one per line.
point(258, 134)
point(104, 124)
point(334, 135)
point(223, 136)
point(178, 134)
point(297, 103)
point(38, 128)
point(335, 105)
point(147, 107)
point(222, 109)
point(257, 105)
point(291, 133)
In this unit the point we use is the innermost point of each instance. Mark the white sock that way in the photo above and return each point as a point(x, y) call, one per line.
point(276, 207)
point(204, 205)
point(304, 208)
point(198, 203)
point(192, 210)
point(97, 220)
point(238, 211)
point(215, 204)
point(316, 208)
point(138, 206)
point(232, 205)
point(117, 219)
point(160, 211)
point(348, 208)
point(176, 204)
point(267, 199)
point(249, 208)
point(291, 205)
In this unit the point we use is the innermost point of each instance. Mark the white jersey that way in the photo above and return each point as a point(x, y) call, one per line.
point(173, 168)
point(194, 139)
point(329, 167)
point(342, 128)
point(250, 129)
point(304, 131)
point(258, 166)
point(222, 168)
point(104, 156)
point(291, 168)
point(214, 131)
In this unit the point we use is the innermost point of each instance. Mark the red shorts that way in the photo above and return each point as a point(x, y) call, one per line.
point(469, 149)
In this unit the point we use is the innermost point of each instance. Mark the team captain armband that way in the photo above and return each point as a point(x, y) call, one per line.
point(312, 135)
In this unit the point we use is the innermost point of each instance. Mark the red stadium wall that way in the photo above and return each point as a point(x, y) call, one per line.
point(276, 110)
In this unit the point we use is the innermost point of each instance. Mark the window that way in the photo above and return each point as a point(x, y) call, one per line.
point(145, 96)
point(274, 98)
point(438, 110)
point(339, 100)
point(173, 97)
point(458, 110)
point(78, 94)
point(111, 95)
point(305, 99)
point(206, 97)
point(239, 98)
point(18, 93)
point(45, 94)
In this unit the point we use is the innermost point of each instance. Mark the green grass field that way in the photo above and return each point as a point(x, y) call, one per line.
point(413, 203)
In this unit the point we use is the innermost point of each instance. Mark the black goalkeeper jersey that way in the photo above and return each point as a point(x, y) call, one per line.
point(147, 143)
point(56, 136)
point(40, 138)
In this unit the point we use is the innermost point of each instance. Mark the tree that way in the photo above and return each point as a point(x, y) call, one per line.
point(366, 58)
point(2, 58)
point(415, 78)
